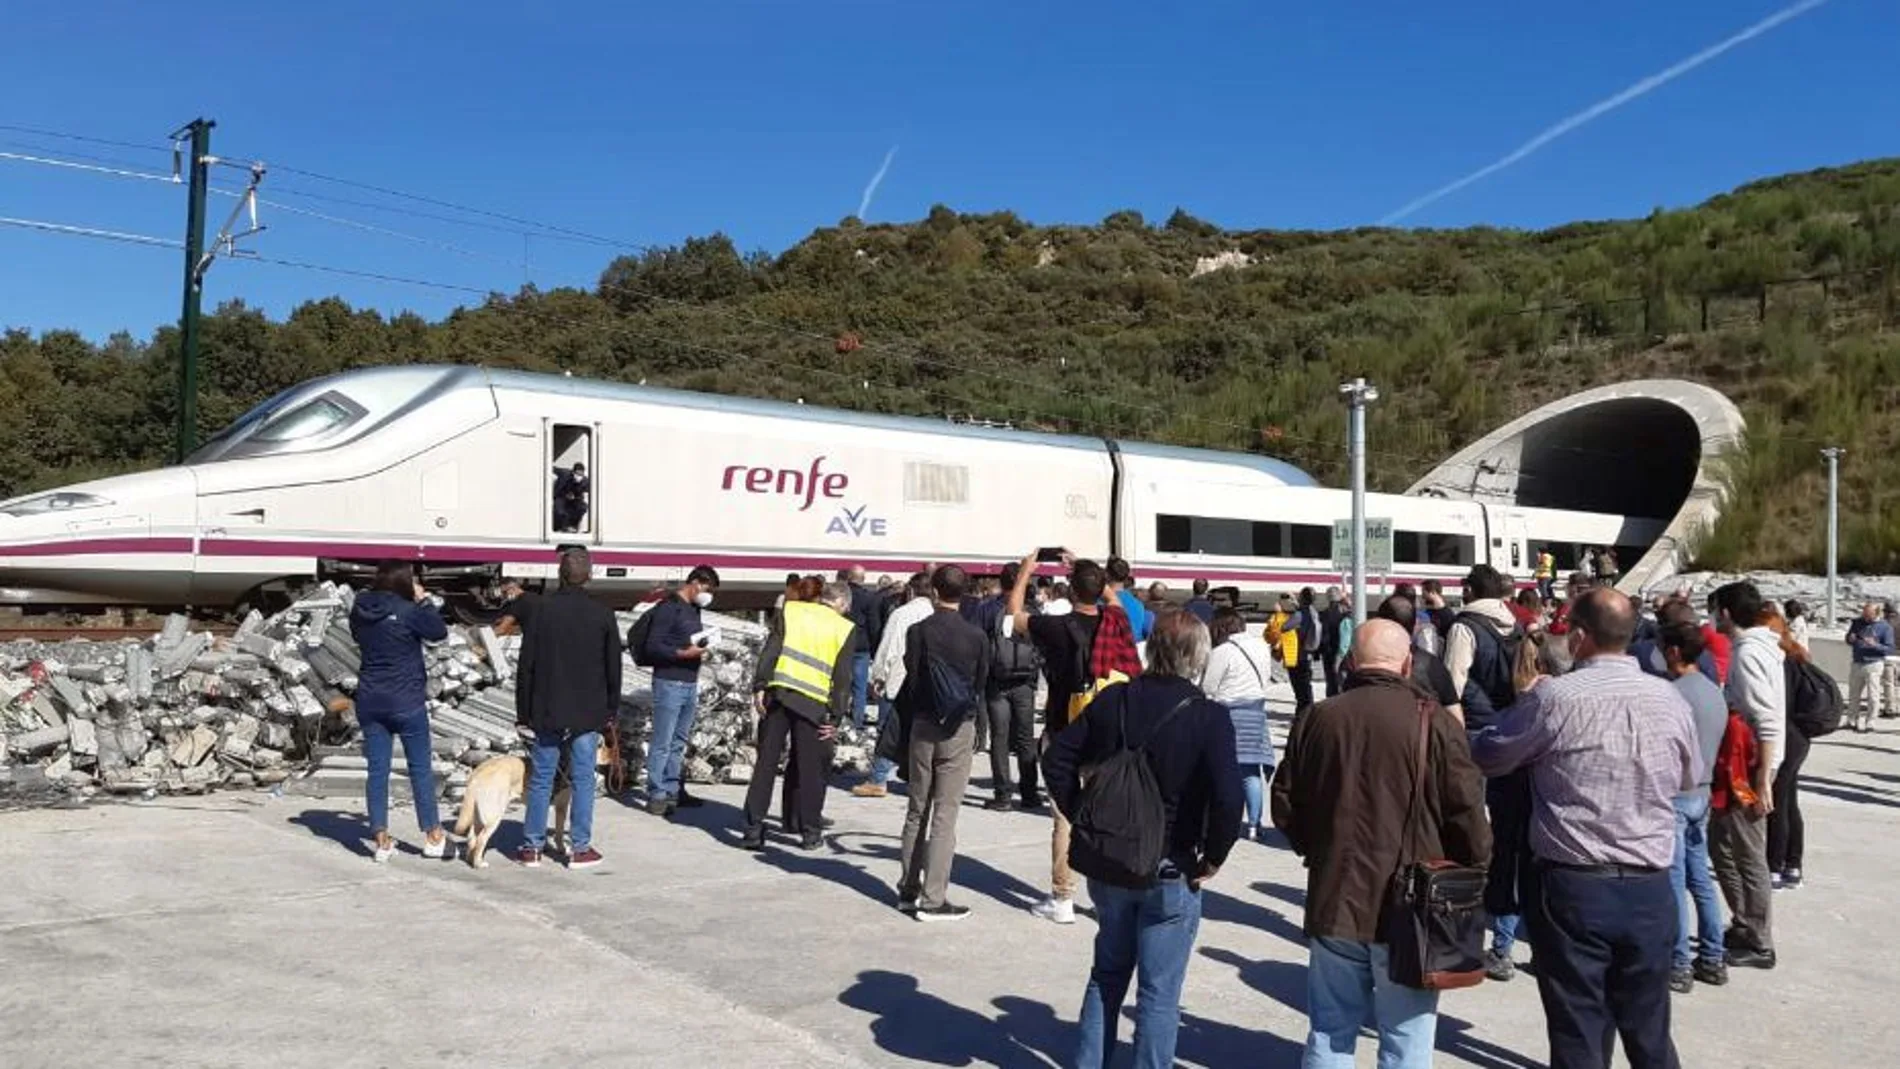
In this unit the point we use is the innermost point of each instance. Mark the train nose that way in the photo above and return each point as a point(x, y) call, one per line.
point(127, 539)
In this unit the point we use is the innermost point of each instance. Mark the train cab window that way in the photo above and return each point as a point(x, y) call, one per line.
point(570, 491)
point(308, 420)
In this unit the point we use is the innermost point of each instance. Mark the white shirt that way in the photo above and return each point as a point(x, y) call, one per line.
point(1238, 670)
point(887, 668)
point(1057, 607)
point(1798, 631)
point(1758, 689)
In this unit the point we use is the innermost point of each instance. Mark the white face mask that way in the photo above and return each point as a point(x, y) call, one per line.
point(703, 599)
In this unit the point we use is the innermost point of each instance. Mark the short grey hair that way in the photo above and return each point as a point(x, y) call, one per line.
point(837, 595)
point(1178, 645)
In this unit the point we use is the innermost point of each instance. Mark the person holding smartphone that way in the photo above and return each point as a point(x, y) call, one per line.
point(390, 623)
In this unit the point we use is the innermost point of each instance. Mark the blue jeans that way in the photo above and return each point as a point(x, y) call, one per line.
point(1253, 783)
point(1347, 982)
point(1152, 930)
point(1504, 933)
point(860, 687)
point(1691, 873)
point(883, 768)
point(379, 749)
point(675, 704)
point(583, 750)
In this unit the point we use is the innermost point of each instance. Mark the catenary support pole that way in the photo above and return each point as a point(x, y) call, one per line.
point(1358, 394)
point(1833, 455)
point(199, 131)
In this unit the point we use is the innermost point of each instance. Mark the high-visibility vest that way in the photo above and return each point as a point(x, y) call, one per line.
point(814, 635)
point(1546, 566)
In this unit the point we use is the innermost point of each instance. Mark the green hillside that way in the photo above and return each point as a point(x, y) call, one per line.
point(1782, 294)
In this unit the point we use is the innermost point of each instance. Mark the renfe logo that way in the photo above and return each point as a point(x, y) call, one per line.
point(807, 484)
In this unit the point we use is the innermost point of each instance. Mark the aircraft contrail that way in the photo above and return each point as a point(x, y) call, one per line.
point(870, 188)
point(1641, 88)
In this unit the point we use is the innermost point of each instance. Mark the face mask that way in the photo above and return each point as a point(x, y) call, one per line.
point(703, 599)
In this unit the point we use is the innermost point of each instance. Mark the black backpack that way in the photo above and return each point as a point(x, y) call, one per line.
point(1489, 688)
point(1013, 661)
point(1814, 700)
point(637, 637)
point(953, 695)
point(1118, 832)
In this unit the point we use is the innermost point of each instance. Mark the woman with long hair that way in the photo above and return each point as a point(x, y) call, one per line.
point(1238, 668)
point(1787, 832)
point(390, 622)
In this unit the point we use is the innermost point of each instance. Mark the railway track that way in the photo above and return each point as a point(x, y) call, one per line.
point(11, 631)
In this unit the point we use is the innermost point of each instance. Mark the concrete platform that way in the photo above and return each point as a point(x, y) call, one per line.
point(245, 930)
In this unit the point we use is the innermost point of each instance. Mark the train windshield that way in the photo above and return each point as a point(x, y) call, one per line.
point(241, 427)
point(331, 412)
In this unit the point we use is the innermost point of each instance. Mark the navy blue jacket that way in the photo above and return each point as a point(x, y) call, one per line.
point(675, 622)
point(1193, 759)
point(390, 630)
point(1879, 631)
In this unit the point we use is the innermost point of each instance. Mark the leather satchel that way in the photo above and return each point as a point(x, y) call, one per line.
point(1434, 921)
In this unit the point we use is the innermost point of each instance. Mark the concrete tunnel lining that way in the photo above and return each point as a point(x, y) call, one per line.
point(1647, 449)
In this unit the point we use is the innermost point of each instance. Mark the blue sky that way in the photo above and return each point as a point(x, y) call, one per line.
point(649, 123)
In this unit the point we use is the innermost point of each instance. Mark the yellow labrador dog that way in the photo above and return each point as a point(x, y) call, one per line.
point(497, 783)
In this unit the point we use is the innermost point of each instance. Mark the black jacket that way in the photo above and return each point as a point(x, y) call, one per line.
point(568, 678)
point(1329, 621)
point(675, 622)
point(1193, 760)
point(956, 644)
point(868, 612)
point(798, 704)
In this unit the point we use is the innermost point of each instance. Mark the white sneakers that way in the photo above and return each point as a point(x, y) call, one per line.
point(1056, 910)
point(435, 851)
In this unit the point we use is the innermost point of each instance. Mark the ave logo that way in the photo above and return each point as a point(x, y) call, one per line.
point(858, 523)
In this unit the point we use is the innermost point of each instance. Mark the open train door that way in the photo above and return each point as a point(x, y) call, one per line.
point(570, 472)
point(1517, 558)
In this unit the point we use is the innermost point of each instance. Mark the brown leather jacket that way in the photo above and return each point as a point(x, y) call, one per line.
point(1343, 794)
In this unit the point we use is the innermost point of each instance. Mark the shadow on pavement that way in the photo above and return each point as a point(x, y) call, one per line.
point(911, 1024)
point(349, 830)
point(1848, 792)
point(1227, 909)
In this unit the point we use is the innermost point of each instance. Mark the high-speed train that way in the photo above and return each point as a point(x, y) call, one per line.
point(455, 468)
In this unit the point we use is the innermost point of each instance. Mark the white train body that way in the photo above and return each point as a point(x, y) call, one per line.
point(453, 468)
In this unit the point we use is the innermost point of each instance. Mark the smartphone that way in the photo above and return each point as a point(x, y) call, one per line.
point(1049, 555)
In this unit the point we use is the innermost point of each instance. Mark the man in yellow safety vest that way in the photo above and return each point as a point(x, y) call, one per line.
point(803, 690)
point(1546, 574)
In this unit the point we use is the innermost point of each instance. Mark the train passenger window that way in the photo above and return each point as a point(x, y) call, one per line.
point(1457, 550)
point(1310, 540)
point(307, 421)
point(1408, 547)
point(1227, 537)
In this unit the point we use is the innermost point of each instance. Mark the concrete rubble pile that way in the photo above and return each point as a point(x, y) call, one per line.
point(270, 705)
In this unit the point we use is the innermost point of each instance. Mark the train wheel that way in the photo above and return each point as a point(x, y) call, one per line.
point(470, 610)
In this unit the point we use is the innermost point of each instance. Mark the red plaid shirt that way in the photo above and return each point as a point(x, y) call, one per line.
point(1114, 648)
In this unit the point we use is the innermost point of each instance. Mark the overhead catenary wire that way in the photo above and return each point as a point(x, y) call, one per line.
point(40, 131)
point(371, 228)
point(120, 172)
point(91, 232)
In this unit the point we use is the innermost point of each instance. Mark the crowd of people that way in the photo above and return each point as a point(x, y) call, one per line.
point(1608, 765)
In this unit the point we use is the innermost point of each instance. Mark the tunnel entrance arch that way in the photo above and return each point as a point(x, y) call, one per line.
point(1646, 449)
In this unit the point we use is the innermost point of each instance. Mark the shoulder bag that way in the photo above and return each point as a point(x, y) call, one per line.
point(1434, 921)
